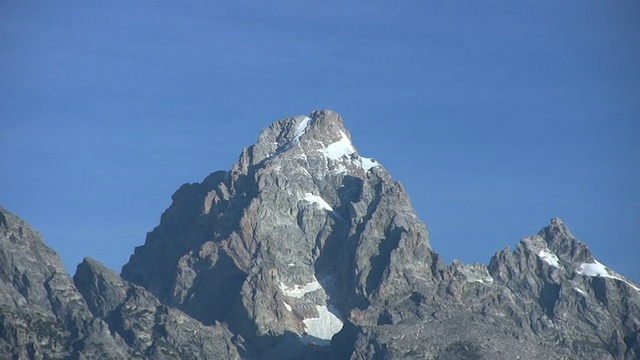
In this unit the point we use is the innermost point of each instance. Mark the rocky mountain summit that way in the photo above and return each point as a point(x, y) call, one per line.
point(307, 249)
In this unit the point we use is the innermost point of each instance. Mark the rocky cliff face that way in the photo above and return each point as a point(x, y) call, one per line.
point(302, 230)
point(307, 249)
point(42, 314)
point(150, 329)
point(549, 298)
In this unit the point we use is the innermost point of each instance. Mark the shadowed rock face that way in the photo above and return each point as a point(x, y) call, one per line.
point(149, 328)
point(307, 249)
point(44, 315)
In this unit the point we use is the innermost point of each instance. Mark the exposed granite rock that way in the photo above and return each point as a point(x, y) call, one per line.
point(149, 328)
point(302, 227)
point(42, 315)
point(533, 303)
point(306, 249)
point(309, 237)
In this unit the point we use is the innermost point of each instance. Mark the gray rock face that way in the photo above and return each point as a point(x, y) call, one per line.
point(547, 299)
point(305, 239)
point(42, 314)
point(149, 328)
point(301, 231)
point(307, 249)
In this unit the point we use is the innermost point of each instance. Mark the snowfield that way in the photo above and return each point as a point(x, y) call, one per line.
point(320, 330)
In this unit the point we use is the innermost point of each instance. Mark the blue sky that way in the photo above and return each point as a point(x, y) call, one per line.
point(495, 115)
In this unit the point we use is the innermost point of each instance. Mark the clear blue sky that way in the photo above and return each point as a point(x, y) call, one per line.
point(495, 115)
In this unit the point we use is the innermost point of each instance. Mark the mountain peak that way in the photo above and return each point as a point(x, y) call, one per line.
point(292, 128)
point(560, 240)
point(557, 227)
point(300, 214)
point(306, 249)
point(319, 142)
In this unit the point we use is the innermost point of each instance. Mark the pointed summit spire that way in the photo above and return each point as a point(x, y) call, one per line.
point(556, 230)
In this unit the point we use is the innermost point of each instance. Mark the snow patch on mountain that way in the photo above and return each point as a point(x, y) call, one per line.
point(549, 257)
point(289, 308)
point(539, 246)
point(366, 163)
point(597, 269)
point(317, 200)
point(474, 272)
point(321, 329)
point(340, 148)
point(483, 278)
point(344, 148)
point(302, 128)
point(299, 291)
point(318, 330)
point(580, 291)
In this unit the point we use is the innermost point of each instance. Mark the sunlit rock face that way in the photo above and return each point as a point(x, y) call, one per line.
point(299, 232)
point(306, 249)
point(306, 243)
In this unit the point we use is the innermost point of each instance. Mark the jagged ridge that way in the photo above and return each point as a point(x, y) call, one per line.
point(307, 249)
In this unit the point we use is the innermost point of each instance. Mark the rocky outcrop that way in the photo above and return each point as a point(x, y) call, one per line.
point(299, 232)
point(304, 238)
point(547, 299)
point(42, 314)
point(307, 249)
point(150, 329)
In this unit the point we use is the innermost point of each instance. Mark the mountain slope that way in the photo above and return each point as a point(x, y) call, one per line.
point(535, 302)
point(302, 218)
point(307, 249)
point(42, 314)
point(149, 328)
point(305, 239)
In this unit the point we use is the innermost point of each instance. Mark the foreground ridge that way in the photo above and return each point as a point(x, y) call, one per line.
point(308, 249)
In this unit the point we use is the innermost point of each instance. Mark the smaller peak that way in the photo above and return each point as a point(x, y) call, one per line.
point(90, 261)
point(6, 217)
point(288, 128)
point(3, 218)
point(555, 230)
point(321, 133)
point(90, 268)
point(329, 117)
point(92, 265)
point(557, 227)
point(282, 133)
point(324, 113)
point(561, 242)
